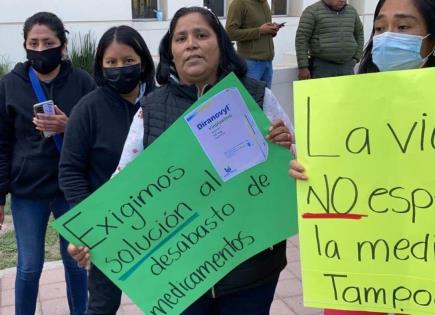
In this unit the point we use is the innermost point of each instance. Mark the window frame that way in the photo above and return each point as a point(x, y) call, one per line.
point(154, 18)
point(225, 9)
point(287, 8)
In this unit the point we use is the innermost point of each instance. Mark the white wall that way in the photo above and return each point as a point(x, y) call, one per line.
point(78, 10)
point(80, 16)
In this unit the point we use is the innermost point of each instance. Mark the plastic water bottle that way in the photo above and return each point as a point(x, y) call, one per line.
point(159, 15)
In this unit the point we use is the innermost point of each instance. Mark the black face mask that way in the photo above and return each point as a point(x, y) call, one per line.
point(45, 61)
point(123, 79)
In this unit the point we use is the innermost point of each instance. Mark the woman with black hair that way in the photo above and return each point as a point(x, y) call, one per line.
point(403, 37)
point(98, 127)
point(403, 43)
point(29, 160)
point(196, 53)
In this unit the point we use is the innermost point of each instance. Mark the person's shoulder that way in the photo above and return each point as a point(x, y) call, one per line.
point(237, 4)
point(159, 92)
point(19, 72)
point(319, 5)
point(80, 73)
point(88, 106)
point(6, 79)
point(92, 99)
point(314, 8)
point(73, 74)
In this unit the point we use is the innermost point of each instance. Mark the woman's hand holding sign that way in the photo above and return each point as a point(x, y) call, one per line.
point(280, 134)
point(80, 254)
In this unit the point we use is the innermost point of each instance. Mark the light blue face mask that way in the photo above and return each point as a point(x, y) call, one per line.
point(396, 51)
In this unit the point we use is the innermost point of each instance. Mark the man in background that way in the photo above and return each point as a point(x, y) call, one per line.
point(249, 23)
point(329, 40)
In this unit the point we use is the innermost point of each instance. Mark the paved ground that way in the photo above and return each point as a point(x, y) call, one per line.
point(52, 296)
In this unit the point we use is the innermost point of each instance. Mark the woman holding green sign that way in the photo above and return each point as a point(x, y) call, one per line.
point(196, 53)
point(403, 37)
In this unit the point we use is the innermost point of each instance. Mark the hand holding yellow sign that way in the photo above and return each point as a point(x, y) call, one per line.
point(366, 213)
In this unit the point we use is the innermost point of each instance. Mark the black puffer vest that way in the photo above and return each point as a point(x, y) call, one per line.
point(165, 105)
point(161, 109)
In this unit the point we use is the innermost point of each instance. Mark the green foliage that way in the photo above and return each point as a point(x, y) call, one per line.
point(4, 66)
point(8, 244)
point(8, 250)
point(8, 205)
point(8, 247)
point(82, 51)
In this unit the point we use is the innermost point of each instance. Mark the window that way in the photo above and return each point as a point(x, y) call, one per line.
point(144, 9)
point(279, 7)
point(217, 6)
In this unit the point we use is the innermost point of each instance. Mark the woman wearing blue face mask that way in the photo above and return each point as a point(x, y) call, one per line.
point(403, 38)
point(98, 127)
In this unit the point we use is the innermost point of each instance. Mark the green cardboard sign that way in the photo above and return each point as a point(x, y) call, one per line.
point(166, 229)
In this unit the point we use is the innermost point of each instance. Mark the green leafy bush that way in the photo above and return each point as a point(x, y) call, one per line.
point(82, 51)
point(4, 66)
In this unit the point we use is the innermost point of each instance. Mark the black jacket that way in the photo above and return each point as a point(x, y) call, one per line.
point(93, 142)
point(161, 109)
point(29, 162)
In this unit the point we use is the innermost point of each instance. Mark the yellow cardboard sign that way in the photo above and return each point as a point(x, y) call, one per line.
point(367, 212)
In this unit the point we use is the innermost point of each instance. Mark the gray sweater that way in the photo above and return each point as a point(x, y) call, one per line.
point(335, 36)
point(243, 25)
